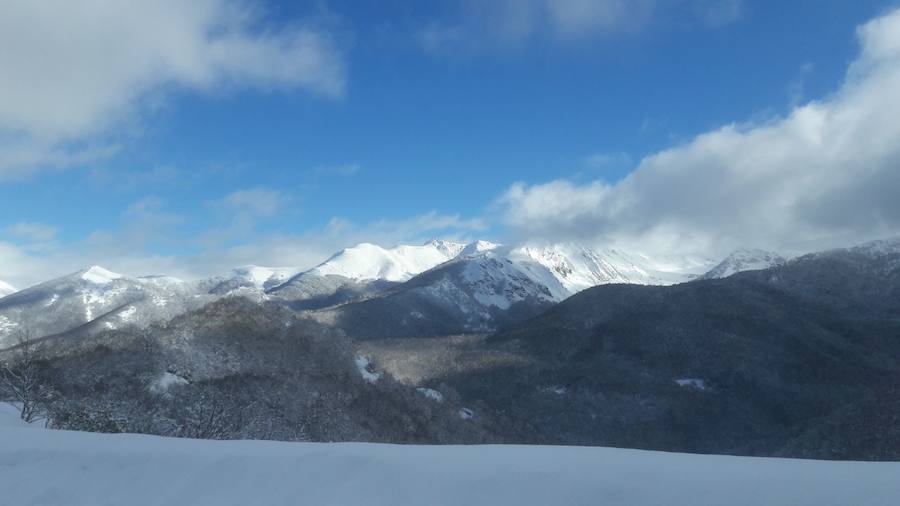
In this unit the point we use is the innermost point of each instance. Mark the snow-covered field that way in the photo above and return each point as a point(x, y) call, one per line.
point(45, 467)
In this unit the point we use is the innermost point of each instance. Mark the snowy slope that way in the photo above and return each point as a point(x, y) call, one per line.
point(879, 248)
point(49, 468)
point(578, 267)
point(557, 271)
point(367, 261)
point(476, 293)
point(6, 289)
point(477, 247)
point(264, 277)
point(499, 276)
point(95, 296)
point(745, 260)
point(249, 278)
point(488, 286)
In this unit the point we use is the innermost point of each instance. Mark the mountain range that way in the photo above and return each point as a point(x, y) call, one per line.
point(434, 288)
point(488, 343)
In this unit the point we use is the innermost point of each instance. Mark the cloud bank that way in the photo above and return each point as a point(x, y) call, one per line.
point(75, 72)
point(826, 174)
point(147, 226)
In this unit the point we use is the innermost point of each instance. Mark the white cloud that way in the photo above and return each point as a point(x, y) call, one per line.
point(255, 202)
point(146, 224)
point(825, 174)
point(244, 210)
point(797, 87)
point(347, 169)
point(74, 72)
point(313, 247)
point(603, 161)
point(32, 231)
point(719, 12)
point(509, 23)
point(20, 268)
point(575, 18)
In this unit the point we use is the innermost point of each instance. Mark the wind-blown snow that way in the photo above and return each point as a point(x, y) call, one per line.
point(6, 288)
point(60, 468)
point(368, 261)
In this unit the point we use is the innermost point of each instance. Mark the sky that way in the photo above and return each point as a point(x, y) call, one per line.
point(188, 138)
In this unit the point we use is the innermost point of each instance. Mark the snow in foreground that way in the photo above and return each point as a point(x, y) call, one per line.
point(44, 467)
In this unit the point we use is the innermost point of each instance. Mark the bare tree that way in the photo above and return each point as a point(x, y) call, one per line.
point(208, 415)
point(21, 378)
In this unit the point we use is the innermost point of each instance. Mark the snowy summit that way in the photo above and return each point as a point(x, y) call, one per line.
point(368, 261)
point(98, 275)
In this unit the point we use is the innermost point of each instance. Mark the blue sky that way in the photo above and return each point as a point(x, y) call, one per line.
point(418, 120)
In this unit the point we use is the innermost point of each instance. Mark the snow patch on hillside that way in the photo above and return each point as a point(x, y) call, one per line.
point(365, 370)
point(695, 383)
point(432, 394)
point(168, 380)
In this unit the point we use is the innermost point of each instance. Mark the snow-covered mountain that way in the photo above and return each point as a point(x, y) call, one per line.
point(477, 248)
point(94, 299)
point(744, 260)
point(249, 277)
point(6, 289)
point(475, 293)
point(487, 286)
point(879, 248)
point(577, 267)
point(440, 285)
point(309, 290)
point(367, 261)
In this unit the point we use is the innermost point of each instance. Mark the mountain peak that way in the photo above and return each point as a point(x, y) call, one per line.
point(448, 248)
point(367, 261)
point(478, 247)
point(744, 259)
point(98, 275)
